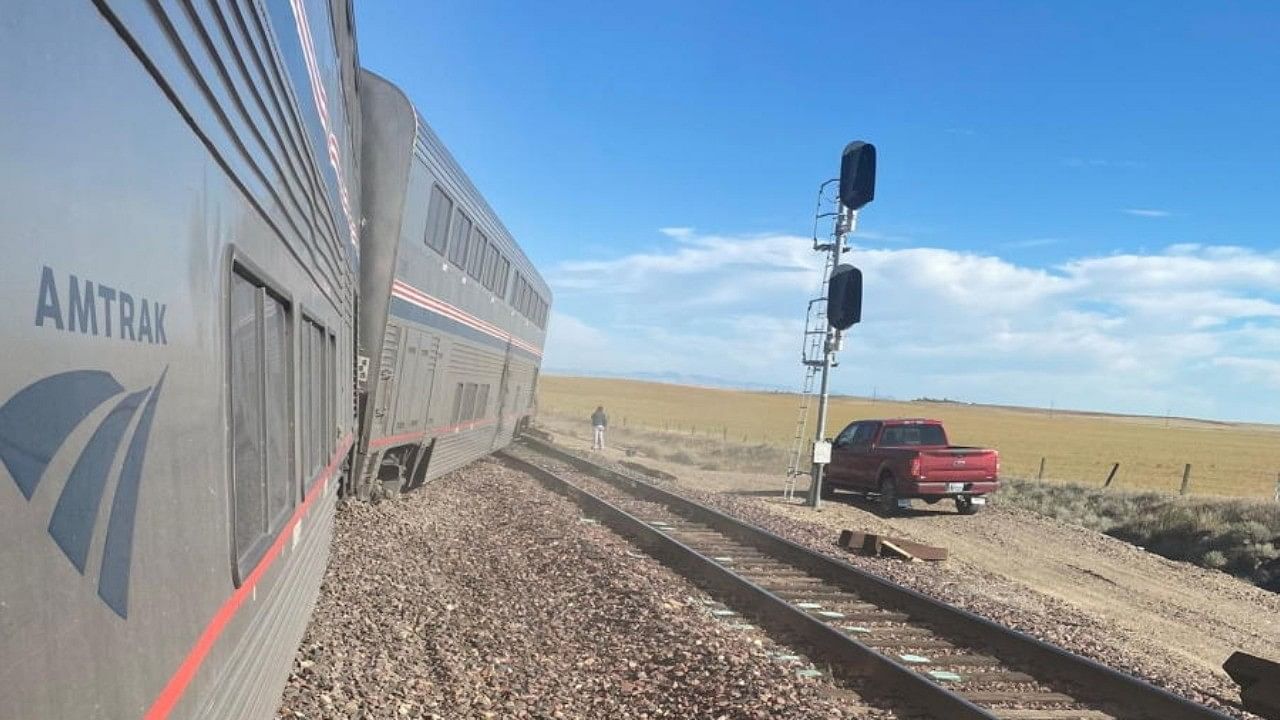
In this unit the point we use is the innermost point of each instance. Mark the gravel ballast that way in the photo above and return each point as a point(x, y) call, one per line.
point(483, 595)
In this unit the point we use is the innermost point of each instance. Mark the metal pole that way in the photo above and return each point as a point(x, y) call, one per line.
point(844, 224)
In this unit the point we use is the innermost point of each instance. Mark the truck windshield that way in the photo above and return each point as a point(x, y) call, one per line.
point(913, 435)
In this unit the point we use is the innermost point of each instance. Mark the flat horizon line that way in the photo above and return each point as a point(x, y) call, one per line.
point(760, 388)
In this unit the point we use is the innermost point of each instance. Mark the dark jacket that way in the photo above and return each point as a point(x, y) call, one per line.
point(599, 418)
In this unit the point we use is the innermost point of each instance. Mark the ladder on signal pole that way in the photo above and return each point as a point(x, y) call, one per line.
point(812, 351)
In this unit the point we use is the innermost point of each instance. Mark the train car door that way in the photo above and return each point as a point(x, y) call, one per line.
point(386, 378)
point(417, 376)
point(501, 435)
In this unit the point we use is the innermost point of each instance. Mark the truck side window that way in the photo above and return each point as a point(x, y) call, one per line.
point(866, 431)
point(845, 438)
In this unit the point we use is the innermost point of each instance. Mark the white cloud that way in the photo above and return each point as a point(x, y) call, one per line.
point(1032, 243)
point(1263, 370)
point(676, 232)
point(1191, 327)
point(1147, 212)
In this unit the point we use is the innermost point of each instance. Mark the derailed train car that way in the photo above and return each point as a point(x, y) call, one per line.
point(190, 355)
point(453, 315)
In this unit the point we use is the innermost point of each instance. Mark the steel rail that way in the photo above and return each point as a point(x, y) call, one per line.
point(1050, 662)
point(773, 612)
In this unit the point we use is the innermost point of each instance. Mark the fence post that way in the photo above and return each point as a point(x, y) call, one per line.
point(1186, 479)
point(1111, 475)
point(1277, 487)
point(1040, 475)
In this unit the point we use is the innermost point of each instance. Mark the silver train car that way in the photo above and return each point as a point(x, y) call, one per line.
point(191, 378)
point(453, 315)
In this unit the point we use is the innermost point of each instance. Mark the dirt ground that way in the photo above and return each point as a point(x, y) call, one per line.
point(1173, 612)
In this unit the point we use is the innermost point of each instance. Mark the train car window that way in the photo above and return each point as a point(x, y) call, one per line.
point(486, 266)
point(304, 397)
point(479, 249)
point(246, 422)
point(260, 402)
point(276, 351)
point(317, 400)
point(459, 238)
point(439, 210)
point(469, 401)
point(482, 402)
point(331, 394)
point(326, 400)
point(457, 404)
point(504, 269)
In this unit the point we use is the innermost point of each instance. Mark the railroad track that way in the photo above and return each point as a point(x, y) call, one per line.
point(878, 637)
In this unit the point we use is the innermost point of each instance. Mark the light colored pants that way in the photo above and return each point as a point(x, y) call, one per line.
point(597, 442)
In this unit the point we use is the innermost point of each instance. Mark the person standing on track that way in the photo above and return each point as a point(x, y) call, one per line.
point(599, 421)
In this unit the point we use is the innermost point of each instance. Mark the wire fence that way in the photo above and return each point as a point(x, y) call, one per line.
point(1232, 476)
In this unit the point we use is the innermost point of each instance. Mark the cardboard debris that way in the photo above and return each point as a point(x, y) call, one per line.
point(883, 545)
point(886, 546)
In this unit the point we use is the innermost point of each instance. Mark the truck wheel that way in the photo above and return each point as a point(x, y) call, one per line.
point(888, 495)
point(965, 506)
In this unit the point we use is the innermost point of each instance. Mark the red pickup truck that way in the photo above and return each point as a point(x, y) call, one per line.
point(906, 458)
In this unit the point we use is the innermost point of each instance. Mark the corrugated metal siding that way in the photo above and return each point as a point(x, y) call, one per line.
point(251, 684)
point(468, 363)
point(454, 450)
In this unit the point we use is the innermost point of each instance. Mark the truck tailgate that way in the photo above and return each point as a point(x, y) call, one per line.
point(959, 464)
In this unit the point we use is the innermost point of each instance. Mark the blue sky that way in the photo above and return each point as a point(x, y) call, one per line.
point(1075, 202)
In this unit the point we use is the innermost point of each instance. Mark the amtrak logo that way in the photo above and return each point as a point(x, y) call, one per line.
point(34, 424)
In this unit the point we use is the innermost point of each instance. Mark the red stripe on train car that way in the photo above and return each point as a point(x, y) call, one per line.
point(409, 293)
point(427, 302)
point(177, 685)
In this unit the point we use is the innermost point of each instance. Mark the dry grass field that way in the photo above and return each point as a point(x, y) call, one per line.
point(1226, 459)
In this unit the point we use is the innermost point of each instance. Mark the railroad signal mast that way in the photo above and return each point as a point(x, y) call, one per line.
point(844, 289)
